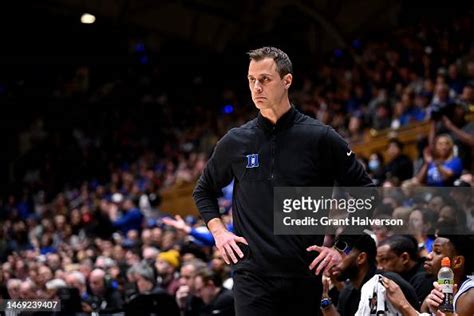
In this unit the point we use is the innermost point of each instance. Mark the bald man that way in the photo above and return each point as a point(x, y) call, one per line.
point(104, 297)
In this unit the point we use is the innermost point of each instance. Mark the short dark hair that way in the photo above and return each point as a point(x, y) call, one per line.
point(400, 244)
point(207, 275)
point(363, 243)
point(282, 61)
point(462, 245)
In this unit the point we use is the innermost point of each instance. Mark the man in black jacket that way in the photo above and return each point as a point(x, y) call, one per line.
point(217, 299)
point(359, 266)
point(399, 254)
point(279, 148)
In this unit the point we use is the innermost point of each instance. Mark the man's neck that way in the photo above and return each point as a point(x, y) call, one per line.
point(357, 282)
point(274, 114)
point(411, 265)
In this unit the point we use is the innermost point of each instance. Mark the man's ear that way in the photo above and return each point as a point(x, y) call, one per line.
point(458, 262)
point(361, 258)
point(287, 79)
point(405, 258)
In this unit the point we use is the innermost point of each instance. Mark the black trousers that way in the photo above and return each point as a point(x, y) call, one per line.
point(255, 295)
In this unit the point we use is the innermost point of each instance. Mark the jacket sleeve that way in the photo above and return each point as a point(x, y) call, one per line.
point(216, 175)
point(348, 171)
point(204, 237)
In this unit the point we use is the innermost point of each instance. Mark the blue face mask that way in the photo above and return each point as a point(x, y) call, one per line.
point(374, 165)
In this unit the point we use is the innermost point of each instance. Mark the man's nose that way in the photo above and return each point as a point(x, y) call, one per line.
point(257, 86)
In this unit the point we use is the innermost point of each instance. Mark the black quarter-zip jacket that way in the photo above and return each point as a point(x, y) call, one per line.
point(296, 151)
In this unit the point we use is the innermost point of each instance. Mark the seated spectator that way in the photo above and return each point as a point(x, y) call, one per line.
point(422, 226)
point(376, 168)
point(13, 288)
point(399, 254)
point(145, 279)
point(166, 265)
point(219, 266)
point(103, 297)
point(452, 216)
point(185, 295)
point(130, 220)
point(53, 286)
point(76, 279)
point(459, 250)
point(217, 299)
point(409, 111)
point(440, 167)
point(358, 265)
point(399, 166)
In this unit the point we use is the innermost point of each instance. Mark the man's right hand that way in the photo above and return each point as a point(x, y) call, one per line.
point(435, 298)
point(226, 243)
point(182, 296)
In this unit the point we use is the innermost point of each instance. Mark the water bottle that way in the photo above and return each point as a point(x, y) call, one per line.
point(446, 280)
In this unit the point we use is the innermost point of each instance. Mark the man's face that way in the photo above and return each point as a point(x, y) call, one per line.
point(441, 248)
point(143, 284)
point(393, 150)
point(347, 268)
point(14, 291)
point(387, 260)
point(163, 268)
point(267, 88)
point(204, 291)
point(187, 276)
point(97, 284)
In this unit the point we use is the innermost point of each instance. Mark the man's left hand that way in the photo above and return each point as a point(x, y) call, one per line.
point(327, 258)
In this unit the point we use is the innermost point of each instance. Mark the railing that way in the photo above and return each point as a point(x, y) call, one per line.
point(377, 141)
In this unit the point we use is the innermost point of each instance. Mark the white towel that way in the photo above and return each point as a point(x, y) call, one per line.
point(373, 300)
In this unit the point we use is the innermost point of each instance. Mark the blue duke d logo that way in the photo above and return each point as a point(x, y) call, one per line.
point(252, 161)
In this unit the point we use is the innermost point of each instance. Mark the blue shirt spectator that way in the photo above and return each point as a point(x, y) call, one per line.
point(434, 177)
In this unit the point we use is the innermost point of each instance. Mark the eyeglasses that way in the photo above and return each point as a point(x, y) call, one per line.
point(342, 246)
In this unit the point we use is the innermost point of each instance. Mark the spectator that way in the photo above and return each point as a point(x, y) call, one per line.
point(399, 254)
point(166, 265)
point(422, 226)
point(13, 287)
point(104, 297)
point(146, 280)
point(216, 299)
point(186, 299)
point(399, 167)
point(359, 266)
point(130, 220)
point(52, 288)
point(77, 280)
point(441, 167)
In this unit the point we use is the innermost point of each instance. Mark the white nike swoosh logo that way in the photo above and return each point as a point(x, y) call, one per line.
point(349, 153)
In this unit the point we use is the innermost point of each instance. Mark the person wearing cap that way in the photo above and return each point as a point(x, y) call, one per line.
point(167, 263)
point(358, 265)
point(281, 147)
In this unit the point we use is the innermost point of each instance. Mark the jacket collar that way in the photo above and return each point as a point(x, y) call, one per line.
point(283, 122)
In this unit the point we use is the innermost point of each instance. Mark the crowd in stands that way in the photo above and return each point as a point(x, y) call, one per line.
point(103, 239)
